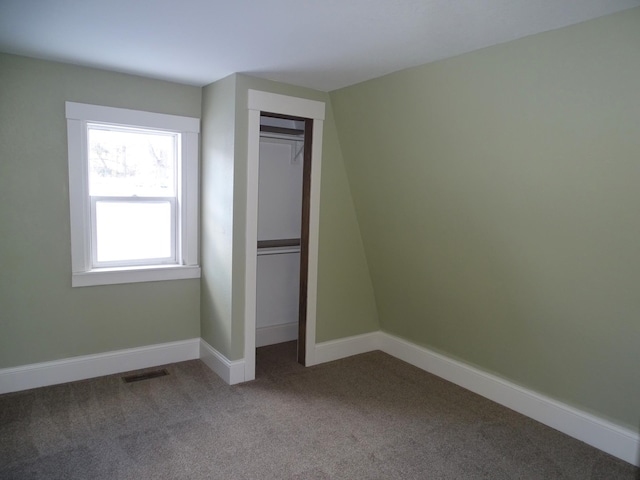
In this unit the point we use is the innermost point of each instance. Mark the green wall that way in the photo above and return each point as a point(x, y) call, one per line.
point(346, 305)
point(216, 246)
point(497, 195)
point(41, 317)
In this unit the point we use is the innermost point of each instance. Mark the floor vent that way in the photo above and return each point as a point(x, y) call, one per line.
point(145, 376)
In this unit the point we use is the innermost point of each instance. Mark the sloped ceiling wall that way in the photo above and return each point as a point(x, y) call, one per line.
point(497, 195)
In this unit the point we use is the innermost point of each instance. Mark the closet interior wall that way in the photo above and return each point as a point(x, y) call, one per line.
point(279, 230)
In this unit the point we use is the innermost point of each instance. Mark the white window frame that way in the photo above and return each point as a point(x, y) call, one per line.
point(186, 265)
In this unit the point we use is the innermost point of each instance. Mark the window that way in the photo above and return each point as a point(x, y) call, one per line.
point(133, 192)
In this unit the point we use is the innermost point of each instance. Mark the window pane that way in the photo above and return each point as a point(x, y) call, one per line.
point(126, 162)
point(133, 230)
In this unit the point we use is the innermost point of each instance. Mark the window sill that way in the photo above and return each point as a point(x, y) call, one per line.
point(112, 276)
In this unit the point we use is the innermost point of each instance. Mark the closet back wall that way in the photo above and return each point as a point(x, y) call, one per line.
point(279, 218)
point(497, 194)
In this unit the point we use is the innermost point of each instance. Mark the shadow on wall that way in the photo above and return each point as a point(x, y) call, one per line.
point(638, 458)
point(215, 322)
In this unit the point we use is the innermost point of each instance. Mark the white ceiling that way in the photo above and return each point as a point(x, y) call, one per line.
point(321, 44)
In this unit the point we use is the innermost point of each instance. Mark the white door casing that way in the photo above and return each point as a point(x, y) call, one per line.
point(299, 107)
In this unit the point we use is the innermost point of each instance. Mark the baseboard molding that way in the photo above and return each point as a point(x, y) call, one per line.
point(599, 433)
point(346, 347)
point(276, 334)
point(90, 366)
point(231, 371)
point(602, 434)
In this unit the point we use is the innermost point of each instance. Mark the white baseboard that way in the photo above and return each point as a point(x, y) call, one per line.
point(602, 434)
point(231, 371)
point(276, 334)
point(90, 366)
point(346, 347)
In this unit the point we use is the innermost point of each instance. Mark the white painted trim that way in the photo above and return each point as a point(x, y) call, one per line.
point(125, 116)
point(90, 366)
point(251, 242)
point(346, 347)
point(314, 229)
point(263, 101)
point(190, 199)
point(78, 116)
point(111, 276)
point(231, 371)
point(597, 432)
point(276, 334)
point(78, 192)
point(285, 105)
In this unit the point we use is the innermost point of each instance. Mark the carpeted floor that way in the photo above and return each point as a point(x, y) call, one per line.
point(366, 417)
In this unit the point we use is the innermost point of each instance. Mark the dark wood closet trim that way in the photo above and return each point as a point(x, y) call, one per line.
point(304, 240)
point(284, 117)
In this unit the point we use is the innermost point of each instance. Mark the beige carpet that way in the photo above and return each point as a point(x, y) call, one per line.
point(364, 417)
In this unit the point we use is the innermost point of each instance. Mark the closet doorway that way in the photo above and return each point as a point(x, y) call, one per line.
point(283, 230)
point(311, 113)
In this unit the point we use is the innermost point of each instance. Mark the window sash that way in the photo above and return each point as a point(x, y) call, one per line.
point(177, 151)
point(172, 259)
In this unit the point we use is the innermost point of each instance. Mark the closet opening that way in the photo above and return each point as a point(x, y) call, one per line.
point(284, 183)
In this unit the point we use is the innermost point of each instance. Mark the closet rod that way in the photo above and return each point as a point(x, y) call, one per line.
point(283, 130)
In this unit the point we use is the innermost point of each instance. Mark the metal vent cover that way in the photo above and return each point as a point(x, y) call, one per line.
point(145, 376)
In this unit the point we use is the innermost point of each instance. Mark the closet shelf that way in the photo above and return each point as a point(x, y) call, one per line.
point(278, 247)
point(281, 242)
